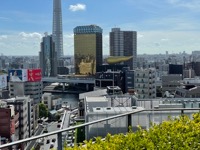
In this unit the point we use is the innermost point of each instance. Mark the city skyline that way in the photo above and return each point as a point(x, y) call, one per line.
point(168, 25)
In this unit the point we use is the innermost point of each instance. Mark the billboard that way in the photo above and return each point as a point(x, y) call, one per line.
point(34, 75)
point(3, 81)
point(17, 75)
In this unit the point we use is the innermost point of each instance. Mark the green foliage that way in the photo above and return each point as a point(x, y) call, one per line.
point(79, 133)
point(175, 134)
point(65, 144)
point(58, 117)
point(43, 111)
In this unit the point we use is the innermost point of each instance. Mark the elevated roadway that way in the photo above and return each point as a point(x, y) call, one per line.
point(69, 80)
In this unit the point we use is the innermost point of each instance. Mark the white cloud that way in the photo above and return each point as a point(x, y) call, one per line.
point(3, 37)
point(20, 43)
point(155, 42)
point(140, 36)
point(164, 39)
point(68, 36)
point(77, 7)
point(68, 43)
point(30, 35)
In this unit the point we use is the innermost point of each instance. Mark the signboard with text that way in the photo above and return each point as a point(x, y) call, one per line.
point(34, 75)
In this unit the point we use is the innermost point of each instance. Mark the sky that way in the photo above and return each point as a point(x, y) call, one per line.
point(161, 25)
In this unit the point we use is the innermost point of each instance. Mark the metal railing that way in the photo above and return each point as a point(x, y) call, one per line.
point(128, 114)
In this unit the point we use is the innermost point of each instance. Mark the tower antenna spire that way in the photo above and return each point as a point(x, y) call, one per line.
point(57, 28)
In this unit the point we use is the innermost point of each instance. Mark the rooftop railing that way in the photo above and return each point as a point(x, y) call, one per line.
point(129, 123)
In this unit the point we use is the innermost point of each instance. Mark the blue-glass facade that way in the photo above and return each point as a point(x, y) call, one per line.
point(89, 29)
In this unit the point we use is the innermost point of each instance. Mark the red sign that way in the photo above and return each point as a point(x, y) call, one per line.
point(34, 75)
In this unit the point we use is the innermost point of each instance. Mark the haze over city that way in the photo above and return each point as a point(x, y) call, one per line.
point(167, 25)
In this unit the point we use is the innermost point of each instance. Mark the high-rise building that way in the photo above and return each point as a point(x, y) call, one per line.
point(57, 28)
point(124, 43)
point(88, 48)
point(48, 59)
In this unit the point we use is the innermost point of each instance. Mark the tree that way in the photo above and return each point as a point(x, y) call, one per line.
point(43, 111)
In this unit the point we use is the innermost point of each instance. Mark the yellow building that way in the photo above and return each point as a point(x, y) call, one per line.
point(87, 49)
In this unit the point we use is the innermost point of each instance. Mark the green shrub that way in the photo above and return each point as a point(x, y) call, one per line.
point(177, 134)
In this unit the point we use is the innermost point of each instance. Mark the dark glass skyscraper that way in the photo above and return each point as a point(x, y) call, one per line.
point(124, 43)
point(48, 59)
point(57, 28)
point(87, 49)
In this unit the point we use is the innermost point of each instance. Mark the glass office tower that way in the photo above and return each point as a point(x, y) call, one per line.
point(87, 49)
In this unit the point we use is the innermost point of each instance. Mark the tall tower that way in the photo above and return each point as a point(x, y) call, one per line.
point(124, 43)
point(48, 59)
point(87, 48)
point(57, 28)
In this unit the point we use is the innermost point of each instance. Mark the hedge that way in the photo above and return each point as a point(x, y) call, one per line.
point(181, 133)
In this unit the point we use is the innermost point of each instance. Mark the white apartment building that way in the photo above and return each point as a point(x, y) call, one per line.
point(52, 102)
point(145, 83)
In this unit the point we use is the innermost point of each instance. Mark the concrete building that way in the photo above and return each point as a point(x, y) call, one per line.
point(26, 115)
point(109, 78)
point(178, 102)
point(195, 56)
point(187, 91)
point(87, 49)
point(129, 81)
point(52, 102)
point(34, 89)
point(99, 108)
point(63, 70)
point(191, 81)
point(188, 73)
point(170, 82)
point(57, 28)
point(145, 83)
point(9, 122)
point(48, 56)
point(124, 43)
point(175, 69)
point(23, 106)
point(189, 88)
